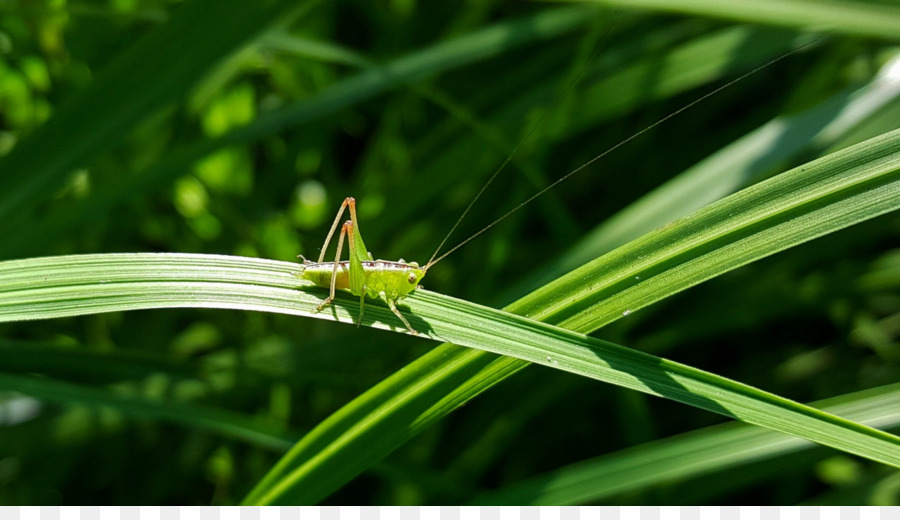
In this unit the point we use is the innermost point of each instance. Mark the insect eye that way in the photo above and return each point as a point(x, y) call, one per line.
point(412, 278)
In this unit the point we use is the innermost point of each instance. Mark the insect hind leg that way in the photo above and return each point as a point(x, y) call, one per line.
point(337, 261)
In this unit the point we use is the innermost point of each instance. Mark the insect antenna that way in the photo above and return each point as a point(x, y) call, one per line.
point(561, 95)
point(613, 148)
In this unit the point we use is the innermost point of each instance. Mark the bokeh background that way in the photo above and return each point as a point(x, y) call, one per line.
point(410, 107)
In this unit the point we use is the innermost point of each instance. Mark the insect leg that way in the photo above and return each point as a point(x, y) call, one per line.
point(337, 261)
point(362, 306)
point(396, 312)
point(349, 201)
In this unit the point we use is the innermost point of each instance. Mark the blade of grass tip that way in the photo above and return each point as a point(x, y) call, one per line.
point(154, 72)
point(837, 16)
point(378, 421)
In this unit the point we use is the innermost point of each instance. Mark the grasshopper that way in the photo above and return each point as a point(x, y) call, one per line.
point(361, 274)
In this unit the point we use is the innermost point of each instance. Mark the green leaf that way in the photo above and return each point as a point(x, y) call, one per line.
point(726, 447)
point(76, 285)
point(252, 429)
point(443, 56)
point(838, 16)
point(732, 167)
point(154, 72)
point(828, 194)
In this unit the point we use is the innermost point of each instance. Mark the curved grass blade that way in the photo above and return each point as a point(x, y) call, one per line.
point(77, 285)
point(726, 447)
point(732, 167)
point(838, 16)
point(378, 421)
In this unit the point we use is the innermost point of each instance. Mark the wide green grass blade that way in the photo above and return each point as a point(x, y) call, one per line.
point(725, 447)
point(846, 187)
point(152, 73)
point(253, 429)
point(77, 285)
point(378, 421)
point(838, 16)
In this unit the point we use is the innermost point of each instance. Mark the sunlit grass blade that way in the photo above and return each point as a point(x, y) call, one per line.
point(718, 448)
point(378, 421)
point(807, 202)
point(154, 72)
point(76, 285)
point(839, 16)
point(253, 429)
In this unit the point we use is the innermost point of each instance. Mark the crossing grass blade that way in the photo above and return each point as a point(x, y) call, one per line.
point(728, 447)
point(378, 421)
point(734, 166)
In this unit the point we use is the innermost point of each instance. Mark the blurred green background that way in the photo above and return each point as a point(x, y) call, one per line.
point(197, 126)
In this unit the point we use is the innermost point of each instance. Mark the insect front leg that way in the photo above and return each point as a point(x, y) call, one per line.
point(392, 304)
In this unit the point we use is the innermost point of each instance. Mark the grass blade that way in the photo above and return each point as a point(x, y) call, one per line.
point(252, 429)
point(77, 285)
point(371, 82)
point(152, 73)
point(718, 448)
point(448, 377)
point(847, 17)
point(731, 168)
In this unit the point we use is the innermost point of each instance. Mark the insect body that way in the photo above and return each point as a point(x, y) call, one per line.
point(362, 275)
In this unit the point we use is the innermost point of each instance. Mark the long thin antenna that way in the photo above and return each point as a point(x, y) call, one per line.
point(550, 109)
point(619, 145)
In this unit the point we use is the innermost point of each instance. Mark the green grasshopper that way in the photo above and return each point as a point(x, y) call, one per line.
point(362, 274)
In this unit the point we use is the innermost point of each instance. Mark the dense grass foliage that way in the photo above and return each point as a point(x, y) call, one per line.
point(709, 260)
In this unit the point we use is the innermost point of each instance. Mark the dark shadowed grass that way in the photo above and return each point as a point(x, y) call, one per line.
point(225, 135)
